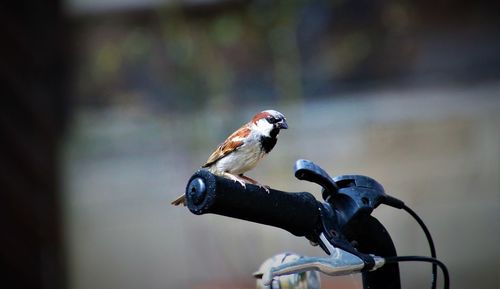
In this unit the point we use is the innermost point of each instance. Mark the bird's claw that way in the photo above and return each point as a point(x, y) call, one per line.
point(242, 183)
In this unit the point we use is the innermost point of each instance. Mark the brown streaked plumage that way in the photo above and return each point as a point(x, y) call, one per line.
point(234, 141)
point(244, 148)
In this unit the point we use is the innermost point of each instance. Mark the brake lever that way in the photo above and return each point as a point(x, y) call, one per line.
point(308, 171)
point(341, 207)
point(340, 262)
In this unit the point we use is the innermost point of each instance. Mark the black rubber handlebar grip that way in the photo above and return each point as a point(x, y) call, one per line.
point(297, 213)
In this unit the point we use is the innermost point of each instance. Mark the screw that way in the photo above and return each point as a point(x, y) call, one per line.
point(197, 190)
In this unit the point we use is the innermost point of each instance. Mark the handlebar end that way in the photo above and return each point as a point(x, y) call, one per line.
point(200, 192)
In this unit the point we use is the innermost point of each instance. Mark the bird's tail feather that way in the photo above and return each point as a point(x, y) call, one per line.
point(179, 200)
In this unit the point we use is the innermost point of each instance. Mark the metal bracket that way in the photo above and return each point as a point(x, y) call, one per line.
point(339, 262)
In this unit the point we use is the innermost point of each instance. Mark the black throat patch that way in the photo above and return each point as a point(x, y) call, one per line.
point(267, 142)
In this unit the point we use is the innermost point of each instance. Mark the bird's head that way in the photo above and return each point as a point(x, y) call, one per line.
point(269, 122)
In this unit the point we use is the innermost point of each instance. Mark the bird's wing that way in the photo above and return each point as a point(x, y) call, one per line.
point(234, 141)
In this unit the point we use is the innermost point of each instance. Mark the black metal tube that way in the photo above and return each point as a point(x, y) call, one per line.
point(372, 238)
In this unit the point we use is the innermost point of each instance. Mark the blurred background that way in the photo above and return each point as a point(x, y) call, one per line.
point(110, 106)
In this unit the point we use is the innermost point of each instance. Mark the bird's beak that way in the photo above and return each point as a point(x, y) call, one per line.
point(282, 124)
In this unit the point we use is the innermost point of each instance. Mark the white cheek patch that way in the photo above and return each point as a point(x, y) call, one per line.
point(263, 127)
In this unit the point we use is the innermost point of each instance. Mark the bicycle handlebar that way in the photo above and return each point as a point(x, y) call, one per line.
point(344, 219)
point(297, 213)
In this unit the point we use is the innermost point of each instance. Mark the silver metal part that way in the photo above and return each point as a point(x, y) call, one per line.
point(379, 262)
point(303, 280)
point(339, 262)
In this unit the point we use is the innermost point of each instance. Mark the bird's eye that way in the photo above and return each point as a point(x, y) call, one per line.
point(272, 119)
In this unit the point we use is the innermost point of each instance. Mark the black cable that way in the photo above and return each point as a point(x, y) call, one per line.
point(429, 240)
point(398, 204)
point(434, 261)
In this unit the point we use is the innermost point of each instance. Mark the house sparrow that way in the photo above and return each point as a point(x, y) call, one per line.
point(244, 148)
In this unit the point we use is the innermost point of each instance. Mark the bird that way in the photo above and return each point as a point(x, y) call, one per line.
point(244, 148)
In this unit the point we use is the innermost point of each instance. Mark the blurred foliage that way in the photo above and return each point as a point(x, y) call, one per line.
point(222, 55)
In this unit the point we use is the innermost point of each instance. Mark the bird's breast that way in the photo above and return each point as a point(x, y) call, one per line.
point(242, 159)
